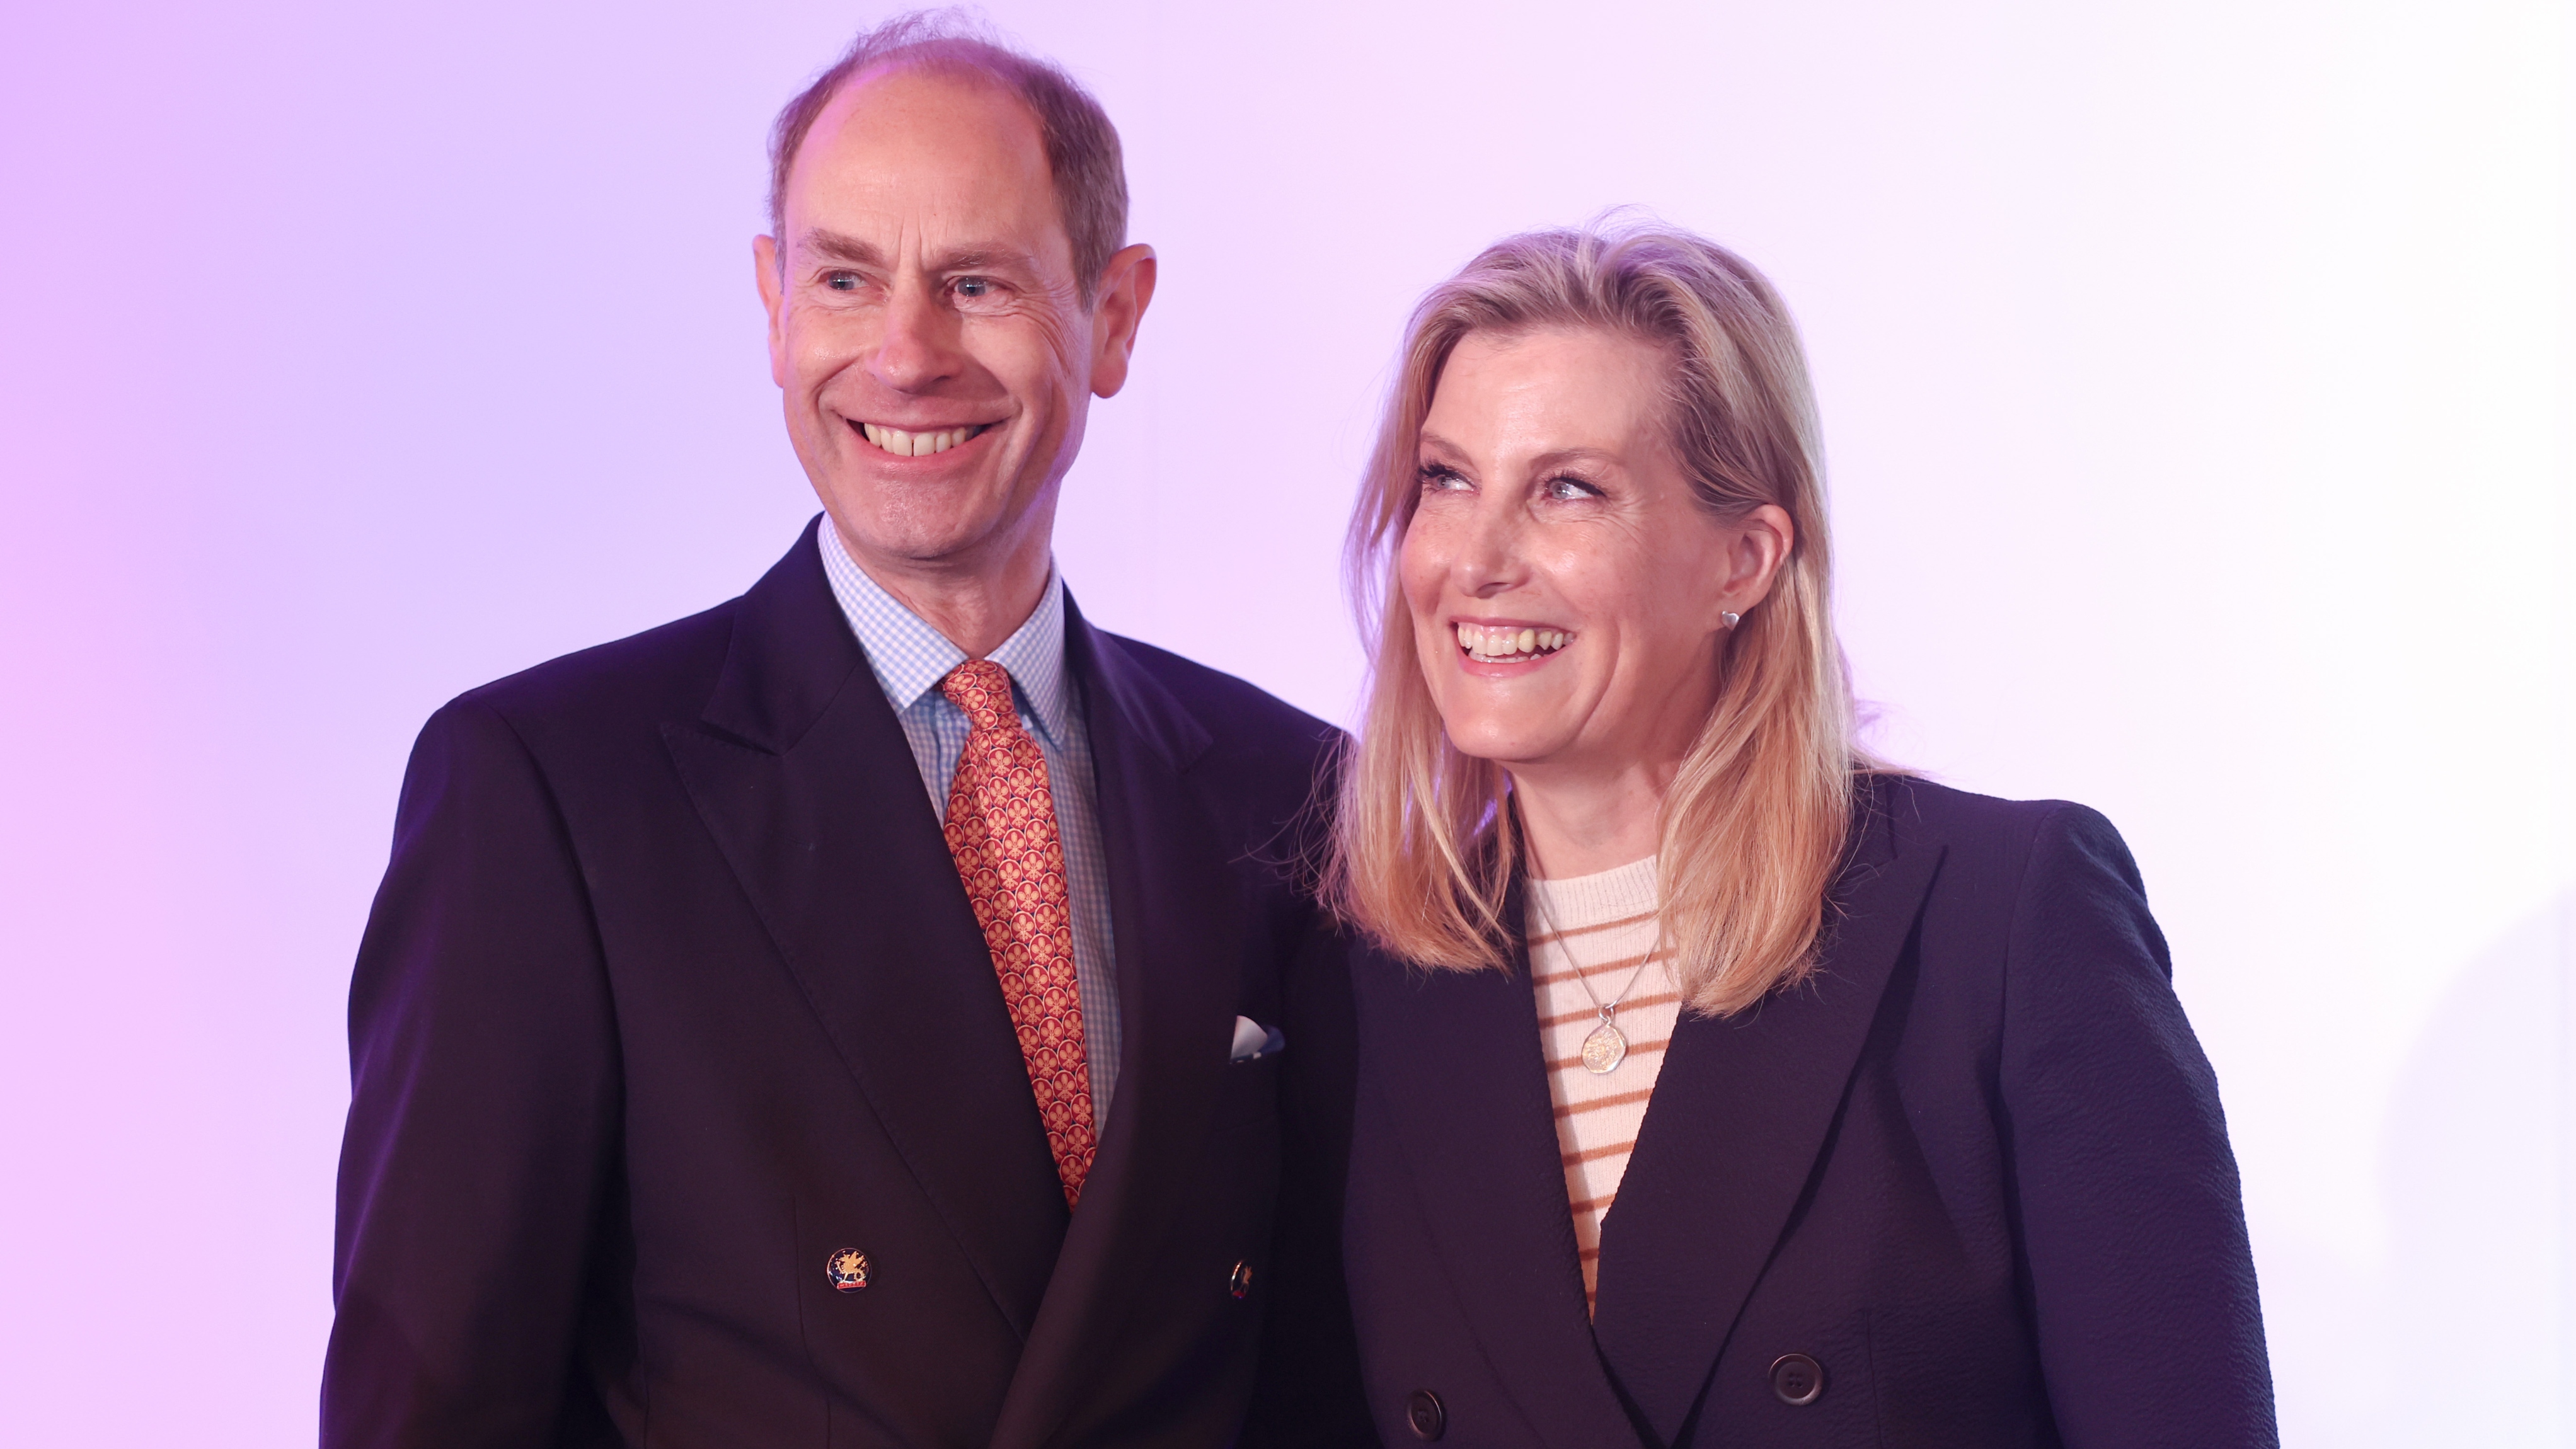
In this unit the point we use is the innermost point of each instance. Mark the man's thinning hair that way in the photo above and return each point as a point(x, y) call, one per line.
point(1081, 146)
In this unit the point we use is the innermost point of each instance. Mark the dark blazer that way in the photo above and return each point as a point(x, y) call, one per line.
point(671, 993)
point(1974, 1170)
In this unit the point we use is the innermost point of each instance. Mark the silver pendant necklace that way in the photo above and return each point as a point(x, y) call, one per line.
point(1606, 1046)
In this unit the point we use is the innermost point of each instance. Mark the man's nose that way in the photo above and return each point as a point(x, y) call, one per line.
point(919, 348)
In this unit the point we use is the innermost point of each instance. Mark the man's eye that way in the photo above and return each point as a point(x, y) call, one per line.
point(842, 281)
point(971, 287)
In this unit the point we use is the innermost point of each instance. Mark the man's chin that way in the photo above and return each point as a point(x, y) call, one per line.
point(917, 536)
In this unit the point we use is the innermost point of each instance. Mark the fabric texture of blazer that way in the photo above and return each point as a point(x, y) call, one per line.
point(671, 994)
point(1972, 1176)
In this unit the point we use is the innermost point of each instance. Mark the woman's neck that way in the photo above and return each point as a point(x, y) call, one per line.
point(1585, 825)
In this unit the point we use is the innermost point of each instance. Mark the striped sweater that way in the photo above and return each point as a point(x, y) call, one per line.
point(1599, 930)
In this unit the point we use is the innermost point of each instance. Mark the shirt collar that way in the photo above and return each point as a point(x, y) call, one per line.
point(910, 657)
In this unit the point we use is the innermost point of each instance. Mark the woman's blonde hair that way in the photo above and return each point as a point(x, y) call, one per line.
point(1753, 830)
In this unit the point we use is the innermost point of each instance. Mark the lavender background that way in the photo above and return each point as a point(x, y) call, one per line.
point(2197, 377)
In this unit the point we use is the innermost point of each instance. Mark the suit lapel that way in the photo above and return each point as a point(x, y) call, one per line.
point(1173, 911)
point(802, 775)
point(1457, 1058)
point(1741, 1111)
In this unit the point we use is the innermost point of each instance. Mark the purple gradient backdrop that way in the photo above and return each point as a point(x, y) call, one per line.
point(2197, 378)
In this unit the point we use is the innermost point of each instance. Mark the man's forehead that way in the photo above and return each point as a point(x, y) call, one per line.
point(945, 110)
point(904, 141)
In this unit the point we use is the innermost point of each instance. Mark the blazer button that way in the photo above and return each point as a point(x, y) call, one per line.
point(1422, 1410)
point(1239, 1282)
point(1797, 1379)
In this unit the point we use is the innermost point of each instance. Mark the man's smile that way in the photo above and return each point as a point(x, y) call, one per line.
point(919, 442)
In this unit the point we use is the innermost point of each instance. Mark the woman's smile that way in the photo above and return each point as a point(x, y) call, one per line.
point(1508, 643)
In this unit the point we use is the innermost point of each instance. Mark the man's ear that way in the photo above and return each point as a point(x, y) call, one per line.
point(773, 299)
point(1126, 286)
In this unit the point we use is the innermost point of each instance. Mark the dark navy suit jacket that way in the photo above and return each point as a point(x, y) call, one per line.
point(671, 993)
point(1975, 1170)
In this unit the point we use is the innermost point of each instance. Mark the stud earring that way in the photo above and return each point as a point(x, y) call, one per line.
point(1731, 619)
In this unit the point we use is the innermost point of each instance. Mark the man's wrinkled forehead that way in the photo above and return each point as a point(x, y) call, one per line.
point(920, 144)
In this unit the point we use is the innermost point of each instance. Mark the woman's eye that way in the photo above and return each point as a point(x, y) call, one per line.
point(1569, 490)
point(1443, 480)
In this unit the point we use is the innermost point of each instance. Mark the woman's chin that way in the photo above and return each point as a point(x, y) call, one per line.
point(1509, 748)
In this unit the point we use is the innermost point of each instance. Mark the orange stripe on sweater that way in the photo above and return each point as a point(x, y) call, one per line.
point(1598, 1103)
point(1546, 937)
point(1621, 964)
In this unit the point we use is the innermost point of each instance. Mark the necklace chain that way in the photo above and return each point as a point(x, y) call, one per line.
point(1607, 1046)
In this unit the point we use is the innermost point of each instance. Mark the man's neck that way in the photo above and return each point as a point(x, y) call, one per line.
point(974, 605)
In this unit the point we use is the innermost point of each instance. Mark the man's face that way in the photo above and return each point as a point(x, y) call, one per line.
point(926, 329)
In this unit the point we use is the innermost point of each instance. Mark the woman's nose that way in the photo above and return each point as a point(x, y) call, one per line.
point(919, 347)
point(1491, 561)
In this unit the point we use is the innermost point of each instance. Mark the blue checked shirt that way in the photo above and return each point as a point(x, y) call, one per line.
point(910, 658)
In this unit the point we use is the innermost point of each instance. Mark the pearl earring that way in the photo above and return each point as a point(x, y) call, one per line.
point(1731, 620)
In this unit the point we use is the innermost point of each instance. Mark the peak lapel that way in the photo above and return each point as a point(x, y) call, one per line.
point(801, 773)
point(1456, 1055)
point(1740, 1112)
point(1173, 908)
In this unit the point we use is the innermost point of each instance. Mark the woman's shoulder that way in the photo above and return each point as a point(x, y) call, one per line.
point(1995, 848)
point(1918, 811)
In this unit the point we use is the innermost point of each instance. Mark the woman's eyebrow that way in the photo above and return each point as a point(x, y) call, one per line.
point(1560, 457)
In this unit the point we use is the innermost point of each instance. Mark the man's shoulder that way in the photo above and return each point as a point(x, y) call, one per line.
point(1238, 714)
point(662, 672)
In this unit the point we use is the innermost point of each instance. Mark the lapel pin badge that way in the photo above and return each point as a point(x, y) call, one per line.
point(847, 1270)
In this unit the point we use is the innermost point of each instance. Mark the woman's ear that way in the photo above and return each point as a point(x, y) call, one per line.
point(1760, 545)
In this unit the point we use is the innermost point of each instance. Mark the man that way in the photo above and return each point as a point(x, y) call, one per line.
point(876, 1010)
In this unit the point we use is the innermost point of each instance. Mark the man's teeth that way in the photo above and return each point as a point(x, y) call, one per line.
point(1481, 642)
point(915, 445)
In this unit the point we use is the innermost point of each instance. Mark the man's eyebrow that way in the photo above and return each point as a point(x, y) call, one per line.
point(984, 258)
point(833, 246)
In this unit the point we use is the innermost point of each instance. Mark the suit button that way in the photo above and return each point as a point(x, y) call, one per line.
point(1239, 1282)
point(1797, 1379)
point(1422, 1410)
point(846, 1270)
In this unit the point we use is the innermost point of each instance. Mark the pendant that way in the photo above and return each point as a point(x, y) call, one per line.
point(1605, 1049)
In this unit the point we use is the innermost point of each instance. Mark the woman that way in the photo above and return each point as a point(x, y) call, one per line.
point(1908, 1140)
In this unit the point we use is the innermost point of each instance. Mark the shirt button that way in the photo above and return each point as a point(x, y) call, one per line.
point(1239, 1282)
point(1797, 1379)
point(1423, 1412)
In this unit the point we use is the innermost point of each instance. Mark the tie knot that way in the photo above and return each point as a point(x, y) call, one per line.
point(982, 689)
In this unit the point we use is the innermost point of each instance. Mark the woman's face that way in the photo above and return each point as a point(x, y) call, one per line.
point(1565, 588)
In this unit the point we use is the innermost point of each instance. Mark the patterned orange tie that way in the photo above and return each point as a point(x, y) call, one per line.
point(1001, 829)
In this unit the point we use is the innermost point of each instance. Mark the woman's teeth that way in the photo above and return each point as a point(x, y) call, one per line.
point(916, 445)
point(1496, 645)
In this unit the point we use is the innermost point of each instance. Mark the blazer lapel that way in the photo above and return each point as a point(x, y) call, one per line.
point(1457, 1058)
point(802, 775)
point(1741, 1110)
point(1173, 907)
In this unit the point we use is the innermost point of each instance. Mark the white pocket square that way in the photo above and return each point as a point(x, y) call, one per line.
point(1252, 1040)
